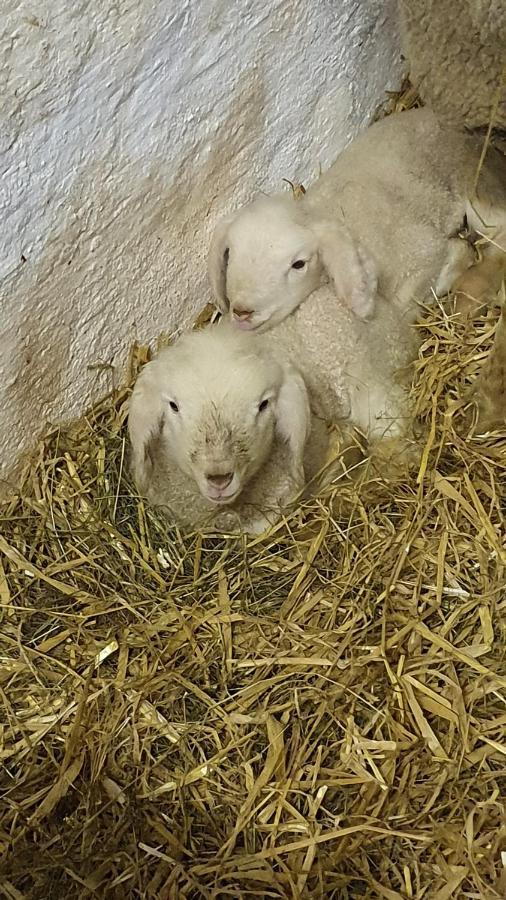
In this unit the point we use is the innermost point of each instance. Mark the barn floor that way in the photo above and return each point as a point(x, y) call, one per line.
point(319, 713)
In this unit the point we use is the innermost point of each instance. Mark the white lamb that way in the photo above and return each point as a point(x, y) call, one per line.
point(382, 221)
point(221, 432)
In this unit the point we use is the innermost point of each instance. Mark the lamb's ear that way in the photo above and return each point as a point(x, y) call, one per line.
point(145, 420)
point(351, 269)
point(217, 261)
point(293, 420)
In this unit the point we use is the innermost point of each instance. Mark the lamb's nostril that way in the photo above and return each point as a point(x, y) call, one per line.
point(220, 481)
point(242, 314)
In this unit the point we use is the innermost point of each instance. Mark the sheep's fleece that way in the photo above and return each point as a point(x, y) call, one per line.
point(218, 401)
point(383, 220)
point(457, 54)
point(356, 371)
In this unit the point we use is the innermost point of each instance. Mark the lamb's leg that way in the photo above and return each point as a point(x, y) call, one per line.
point(490, 388)
point(461, 257)
point(392, 440)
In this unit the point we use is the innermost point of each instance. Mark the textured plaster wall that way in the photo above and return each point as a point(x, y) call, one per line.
point(126, 128)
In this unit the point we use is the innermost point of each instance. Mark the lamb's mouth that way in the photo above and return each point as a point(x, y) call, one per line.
point(224, 500)
point(244, 325)
point(257, 325)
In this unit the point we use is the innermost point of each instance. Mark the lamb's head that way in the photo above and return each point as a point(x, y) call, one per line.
point(215, 402)
point(263, 263)
point(266, 259)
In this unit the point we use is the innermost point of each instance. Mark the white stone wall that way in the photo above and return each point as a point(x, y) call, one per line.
point(126, 128)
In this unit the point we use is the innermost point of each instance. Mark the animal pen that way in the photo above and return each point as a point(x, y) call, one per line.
point(317, 712)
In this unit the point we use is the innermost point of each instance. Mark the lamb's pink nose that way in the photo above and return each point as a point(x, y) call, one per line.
point(242, 314)
point(220, 481)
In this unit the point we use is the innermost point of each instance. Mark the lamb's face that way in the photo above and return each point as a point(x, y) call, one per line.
point(272, 265)
point(219, 421)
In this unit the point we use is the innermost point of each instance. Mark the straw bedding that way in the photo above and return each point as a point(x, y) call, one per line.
point(316, 713)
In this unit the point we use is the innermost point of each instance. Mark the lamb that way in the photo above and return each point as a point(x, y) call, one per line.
point(226, 432)
point(221, 432)
point(384, 220)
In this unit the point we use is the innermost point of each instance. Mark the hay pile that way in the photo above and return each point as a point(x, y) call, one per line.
point(319, 713)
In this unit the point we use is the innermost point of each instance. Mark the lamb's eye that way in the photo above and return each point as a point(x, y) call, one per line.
point(299, 264)
point(263, 405)
point(173, 405)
